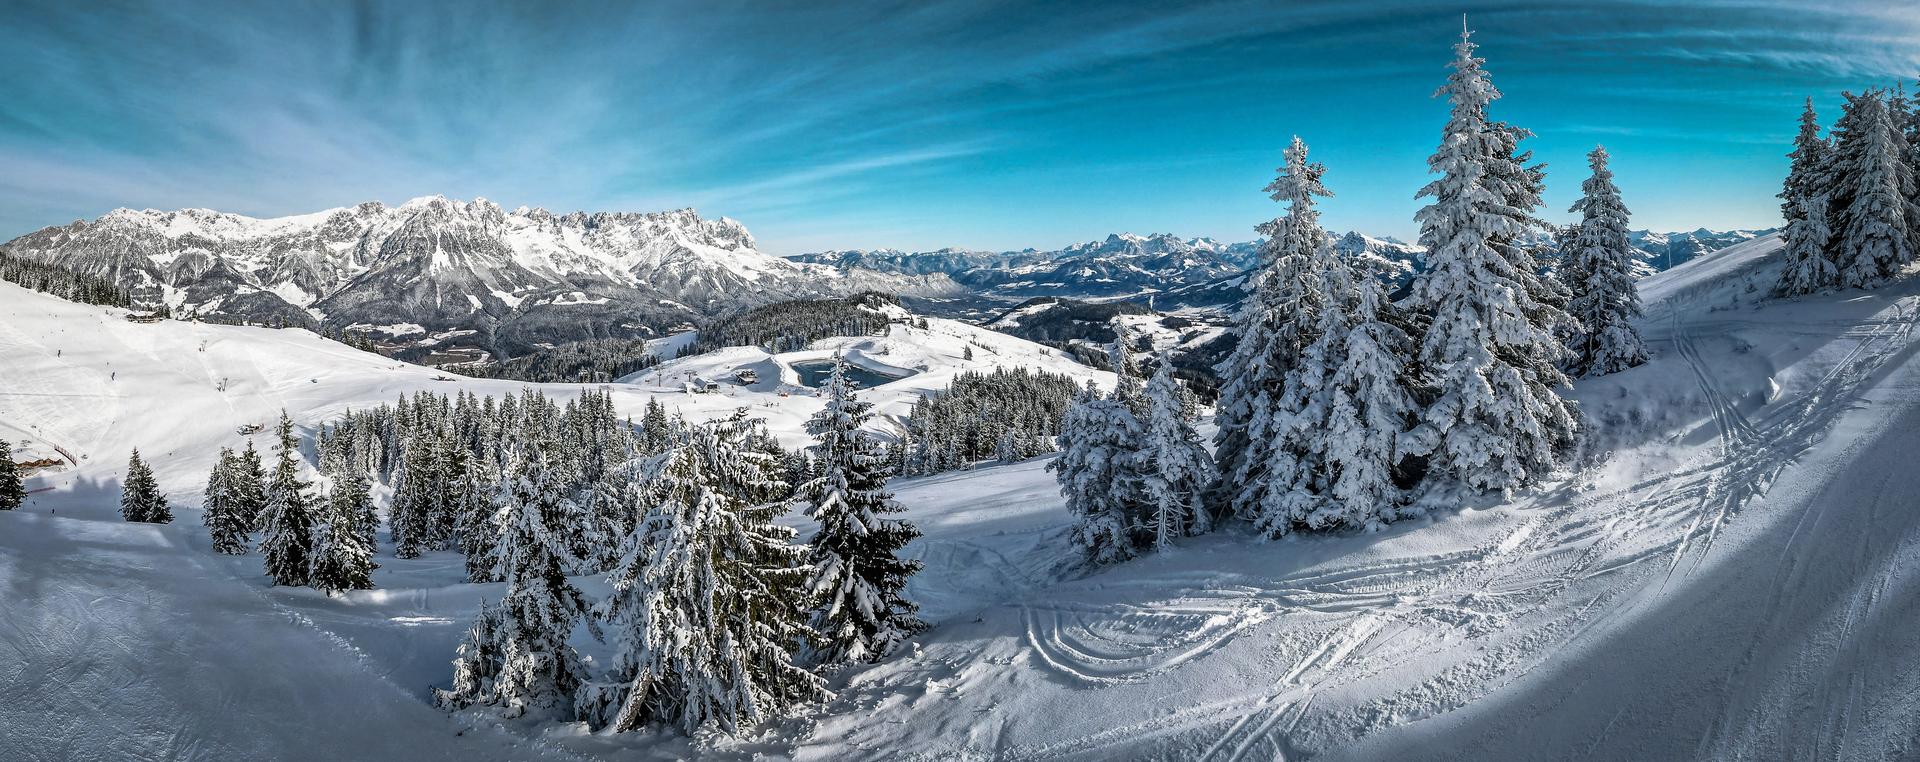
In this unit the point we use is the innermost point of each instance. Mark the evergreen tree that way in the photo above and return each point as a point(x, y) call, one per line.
point(342, 557)
point(655, 432)
point(140, 496)
point(480, 524)
point(1605, 301)
point(416, 498)
point(250, 480)
point(1100, 476)
point(1804, 205)
point(449, 461)
point(537, 670)
point(1273, 326)
point(1809, 268)
point(1495, 420)
point(13, 491)
point(477, 663)
point(1875, 186)
point(1370, 400)
point(224, 515)
point(703, 605)
point(1178, 464)
point(288, 519)
point(858, 576)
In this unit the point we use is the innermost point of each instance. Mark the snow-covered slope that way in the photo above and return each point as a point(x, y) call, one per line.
point(516, 277)
point(85, 380)
point(1731, 572)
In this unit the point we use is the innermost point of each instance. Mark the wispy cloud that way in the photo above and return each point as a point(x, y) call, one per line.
point(872, 118)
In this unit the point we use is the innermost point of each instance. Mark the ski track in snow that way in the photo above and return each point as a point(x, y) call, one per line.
point(1673, 518)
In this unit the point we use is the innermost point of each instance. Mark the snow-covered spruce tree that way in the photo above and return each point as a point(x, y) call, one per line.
point(1371, 400)
point(288, 518)
point(476, 664)
point(13, 491)
point(1273, 329)
point(1809, 240)
point(1873, 186)
point(140, 496)
point(538, 671)
point(1899, 118)
point(1495, 421)
point(479, 527)
point(449, 461)
point(1519, 185)
point(1100, 476)
point(223, 514)
point(655, 433)
point(1178, 466)
point(342, 557)
point(250, 479)
point(1127, 386)
point(1804, 205)
point(706, 605)
point(1605, 300)
point(858, 576)
point(416, 498)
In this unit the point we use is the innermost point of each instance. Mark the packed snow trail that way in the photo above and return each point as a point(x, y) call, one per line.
point(1810, 602)
point(119, 643)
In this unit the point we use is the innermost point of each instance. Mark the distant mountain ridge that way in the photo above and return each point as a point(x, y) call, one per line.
point(514, 279)
point(1182, 272)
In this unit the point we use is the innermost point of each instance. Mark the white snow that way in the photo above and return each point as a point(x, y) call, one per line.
point(1733, 573)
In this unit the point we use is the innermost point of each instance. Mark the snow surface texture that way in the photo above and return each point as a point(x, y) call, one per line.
point(1732, 572)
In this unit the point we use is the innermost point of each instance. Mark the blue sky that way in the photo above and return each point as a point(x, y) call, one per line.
point(913, 125)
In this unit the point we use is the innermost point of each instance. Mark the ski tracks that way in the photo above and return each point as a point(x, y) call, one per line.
point(1491, 589)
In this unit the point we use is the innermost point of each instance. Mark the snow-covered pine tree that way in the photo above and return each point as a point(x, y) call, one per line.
point(858, 576)
point(416, 498)
point(476, 664)
point(1100, 476)
point(1127, 386)
point(539, 671)
point(655, 432)
point(704, 605)
point(288, 518)
point(1804, 205)
point(1371, 402)
point(1873, 185)
point(224, 515)
point(449, 461)
point(479, 524)
point(1605, 301)
point(1495, 421)
point(13, 491)
point(1519, 186)
point(342, 557)
point(1809, 240)
point(140, 496)
point(1273, 328)
point(251, 481)
point(1900, 116)
point(1178, 466)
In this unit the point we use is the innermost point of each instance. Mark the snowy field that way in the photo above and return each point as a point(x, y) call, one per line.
point(1732, 571)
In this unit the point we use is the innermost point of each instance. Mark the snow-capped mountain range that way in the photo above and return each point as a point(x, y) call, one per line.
point(514, 278)
point(441, 275)
point(1122, 264)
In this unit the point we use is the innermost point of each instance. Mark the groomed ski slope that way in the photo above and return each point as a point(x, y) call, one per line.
point(1731, 573)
